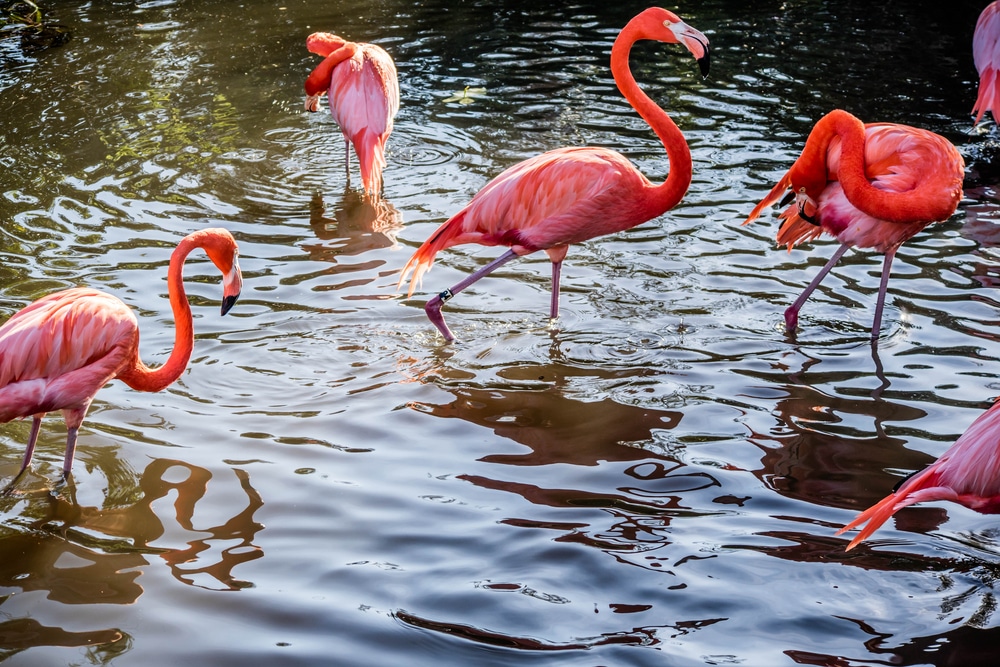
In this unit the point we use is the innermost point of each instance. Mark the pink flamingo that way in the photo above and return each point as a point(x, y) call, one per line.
point(56, 353)
point(869, 185)
point(986, 53)
point(968, 474)
point(570, 195)
point(363, 92)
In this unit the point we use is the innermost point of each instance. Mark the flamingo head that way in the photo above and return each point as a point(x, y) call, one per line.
point(664, 26)
point(221, 248)
point(322, 44)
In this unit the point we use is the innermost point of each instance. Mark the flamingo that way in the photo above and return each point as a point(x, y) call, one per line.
point(56, 353)
point(869, 185)
point(986, 53)
point(968, 474)
point(363, 93)
point(570, 195)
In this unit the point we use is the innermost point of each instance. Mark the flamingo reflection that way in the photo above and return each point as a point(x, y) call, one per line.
point(358, 222)
point(133, 530)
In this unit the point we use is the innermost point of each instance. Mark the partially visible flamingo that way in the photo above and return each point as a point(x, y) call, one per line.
point(869, 185)
point(986, 53)
point(968, 474)
point(56, 353)
point(363, 92)
point(570, 195)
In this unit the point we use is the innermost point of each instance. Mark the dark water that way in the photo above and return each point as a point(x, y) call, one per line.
point(655, 481)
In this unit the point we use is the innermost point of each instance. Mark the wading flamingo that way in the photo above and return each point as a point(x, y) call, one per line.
point(56, 353)
point(869, 185)
point(986, 53)
point(968, 474)
point(361, 86)
point(570, 195)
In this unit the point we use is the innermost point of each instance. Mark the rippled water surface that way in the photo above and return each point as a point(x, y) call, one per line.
point(654, 480)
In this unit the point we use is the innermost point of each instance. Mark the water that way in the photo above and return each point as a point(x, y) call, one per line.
point(654, 481)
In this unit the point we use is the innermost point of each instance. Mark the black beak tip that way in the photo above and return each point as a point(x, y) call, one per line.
point(703, 63)
point(228, 303)
point(787, 199)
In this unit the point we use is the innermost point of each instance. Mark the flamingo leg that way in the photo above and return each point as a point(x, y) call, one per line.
point(554, 308)
point(792, 312)
point(70, 449)
point(36, 425)
point(433, 306)
point(880, 302)
point(347, 159)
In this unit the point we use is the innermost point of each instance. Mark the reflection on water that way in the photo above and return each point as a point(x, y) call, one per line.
point(657, 479)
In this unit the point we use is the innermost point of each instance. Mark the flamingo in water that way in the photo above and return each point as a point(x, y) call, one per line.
point(363, 93)
point(56, 353)
point(869, 185)
point(570, 195)
point(968, 474)
point(986, 53)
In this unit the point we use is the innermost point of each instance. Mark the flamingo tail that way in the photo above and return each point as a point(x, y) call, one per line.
point(370, 148)
point(989, 93)
point(876, 515)
point(423, 259)
point(772, 197)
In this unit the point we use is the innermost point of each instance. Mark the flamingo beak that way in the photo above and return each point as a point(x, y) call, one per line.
point(696, 43)
point(232, 285)
point(312, 102)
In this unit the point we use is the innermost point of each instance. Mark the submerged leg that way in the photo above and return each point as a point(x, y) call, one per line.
point(792, 312)
point(433, 307)
point(554, 308)
point(883, 283)
point(70, 449)
point(36, 424)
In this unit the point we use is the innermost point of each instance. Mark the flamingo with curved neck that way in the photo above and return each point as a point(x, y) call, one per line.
point(868, 185)
point(571, 195)
point(56, 353)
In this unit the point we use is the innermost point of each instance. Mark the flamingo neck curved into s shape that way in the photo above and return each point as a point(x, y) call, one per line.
point(921, 204)
point(144, 378)
point(666, 195)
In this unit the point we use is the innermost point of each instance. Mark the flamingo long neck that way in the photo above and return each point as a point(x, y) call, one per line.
point(916, 205)
point(666, 195)
point(144, 378)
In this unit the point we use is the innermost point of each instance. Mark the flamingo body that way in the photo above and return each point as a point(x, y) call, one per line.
point(570, 195)
point(363, 92)
point(986, 54)
point(56, 353)
point(967, 474)
point(870, 185)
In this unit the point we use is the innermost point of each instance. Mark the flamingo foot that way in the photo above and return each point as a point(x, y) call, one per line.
point(433, 310)
point(791, 319)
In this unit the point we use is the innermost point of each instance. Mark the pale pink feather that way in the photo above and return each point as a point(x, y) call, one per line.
point(986, 53)
point(967, 474)
point(59, 351)
point(552, 200)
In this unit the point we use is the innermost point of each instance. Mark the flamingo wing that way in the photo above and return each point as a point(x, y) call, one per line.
point(552, 200)
point(968, 474)
point(986, 53)
point(60, 350)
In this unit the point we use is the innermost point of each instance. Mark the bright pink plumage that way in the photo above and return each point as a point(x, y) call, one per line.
point(363, 92)
point(56, 353)
point(986, 53)
point(967, 474)
point(868, 185)
point(570, 195)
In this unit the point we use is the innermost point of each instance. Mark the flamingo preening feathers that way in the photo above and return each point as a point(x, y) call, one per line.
point(56, 353)
point(869, 185)
point(363, 92)
point(986, 54)
point(570, 195)
point(967, 474)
